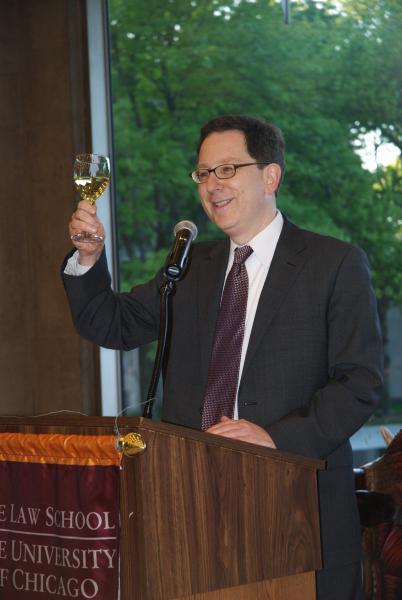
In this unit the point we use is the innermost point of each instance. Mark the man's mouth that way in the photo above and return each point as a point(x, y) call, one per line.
point(221, 203)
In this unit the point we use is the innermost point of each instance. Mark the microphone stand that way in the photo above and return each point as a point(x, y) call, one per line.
point(165, 292)
point(175, 267)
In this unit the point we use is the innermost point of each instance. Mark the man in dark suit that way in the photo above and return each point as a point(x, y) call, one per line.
point(309, 365)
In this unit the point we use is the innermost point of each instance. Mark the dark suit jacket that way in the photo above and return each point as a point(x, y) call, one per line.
point(312, 373)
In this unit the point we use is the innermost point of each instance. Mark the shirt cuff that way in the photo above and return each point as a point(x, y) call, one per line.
point(73, 267)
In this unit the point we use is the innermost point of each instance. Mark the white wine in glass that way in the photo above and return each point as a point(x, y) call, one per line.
point(91, 178)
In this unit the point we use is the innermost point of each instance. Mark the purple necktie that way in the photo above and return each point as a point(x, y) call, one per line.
point(223, 372)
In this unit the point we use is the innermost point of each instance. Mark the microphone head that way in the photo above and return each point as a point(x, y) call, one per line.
point(192, 227)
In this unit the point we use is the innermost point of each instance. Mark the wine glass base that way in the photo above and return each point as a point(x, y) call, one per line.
point(87, 238)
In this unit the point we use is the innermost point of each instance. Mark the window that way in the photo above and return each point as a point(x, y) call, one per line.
point(329, 80)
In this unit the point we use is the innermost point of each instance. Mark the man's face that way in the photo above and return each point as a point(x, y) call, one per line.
point(245, 204)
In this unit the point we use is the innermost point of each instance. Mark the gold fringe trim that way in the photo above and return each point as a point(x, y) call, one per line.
point(61, 449)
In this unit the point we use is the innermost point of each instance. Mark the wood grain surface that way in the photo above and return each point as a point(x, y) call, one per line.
point(202, 514)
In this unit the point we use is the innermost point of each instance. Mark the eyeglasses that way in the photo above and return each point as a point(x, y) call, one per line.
point(221, 171)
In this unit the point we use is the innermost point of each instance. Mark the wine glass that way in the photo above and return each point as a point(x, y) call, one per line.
point(91, 178)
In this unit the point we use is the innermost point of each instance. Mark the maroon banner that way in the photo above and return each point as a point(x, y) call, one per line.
point(59, 530)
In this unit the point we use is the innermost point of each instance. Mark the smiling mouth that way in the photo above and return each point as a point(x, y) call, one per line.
point(222, 203)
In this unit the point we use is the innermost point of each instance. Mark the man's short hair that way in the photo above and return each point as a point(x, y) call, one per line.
point(264, 141)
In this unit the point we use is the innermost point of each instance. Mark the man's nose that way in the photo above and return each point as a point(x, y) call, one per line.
point(213, 183)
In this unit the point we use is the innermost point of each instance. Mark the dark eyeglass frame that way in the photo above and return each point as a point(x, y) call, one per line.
point(196, 179)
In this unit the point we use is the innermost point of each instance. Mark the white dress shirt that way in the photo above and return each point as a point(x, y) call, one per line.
point(73, 267)
point(257, 265)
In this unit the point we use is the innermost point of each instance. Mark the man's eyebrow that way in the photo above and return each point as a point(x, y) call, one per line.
point(225, 161)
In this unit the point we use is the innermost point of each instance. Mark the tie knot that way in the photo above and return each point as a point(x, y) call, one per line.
point(241, 254)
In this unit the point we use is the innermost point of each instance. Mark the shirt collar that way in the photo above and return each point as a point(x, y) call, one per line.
point(264, 243)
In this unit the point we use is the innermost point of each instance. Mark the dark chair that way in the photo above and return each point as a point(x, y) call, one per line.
point(379, 496)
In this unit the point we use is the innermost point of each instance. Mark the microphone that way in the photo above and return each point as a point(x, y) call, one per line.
point(185, 232)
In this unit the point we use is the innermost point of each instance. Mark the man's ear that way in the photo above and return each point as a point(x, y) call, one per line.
point(272, 178)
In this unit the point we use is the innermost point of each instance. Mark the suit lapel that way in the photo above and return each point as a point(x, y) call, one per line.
point(288, 260)
point(211, 278)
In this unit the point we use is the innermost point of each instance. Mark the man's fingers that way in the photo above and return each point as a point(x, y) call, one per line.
point(223, 426)
point(81, 220)
point(87, 206)
point(242, 430)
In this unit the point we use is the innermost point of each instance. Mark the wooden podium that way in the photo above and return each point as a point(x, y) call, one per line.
point(207, 518)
